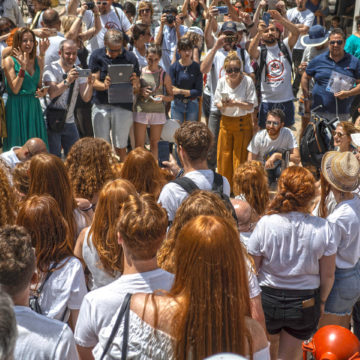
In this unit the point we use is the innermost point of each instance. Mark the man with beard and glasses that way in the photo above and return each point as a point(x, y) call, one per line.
point(269, 145)
point(275, 66)
point(213, 65)
point(337, 79)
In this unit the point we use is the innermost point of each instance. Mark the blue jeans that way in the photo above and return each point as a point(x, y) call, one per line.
point(185, 111)
point(66, 139)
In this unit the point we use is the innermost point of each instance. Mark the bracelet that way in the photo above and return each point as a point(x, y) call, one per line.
point(21, 73)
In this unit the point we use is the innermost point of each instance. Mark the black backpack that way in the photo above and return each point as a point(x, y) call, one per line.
point(263, 54)
point(316, 141)
point(217, 188)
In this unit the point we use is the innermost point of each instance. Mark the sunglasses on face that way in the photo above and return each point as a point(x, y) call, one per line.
point(102, 3)
point(339, 42)
point(339, 134)
point(274, 123)
point(113, 50)
point(233, 70)
point(144, 11)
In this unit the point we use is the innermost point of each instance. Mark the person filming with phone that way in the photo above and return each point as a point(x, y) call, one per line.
point(65, 82)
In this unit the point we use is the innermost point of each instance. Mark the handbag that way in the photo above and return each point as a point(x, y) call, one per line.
point(34, 299)
point(124, 311)
point(55, 117)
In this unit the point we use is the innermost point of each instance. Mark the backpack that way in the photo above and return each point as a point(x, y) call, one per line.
point(263, 54)
point(217, 188)
point(316, 141)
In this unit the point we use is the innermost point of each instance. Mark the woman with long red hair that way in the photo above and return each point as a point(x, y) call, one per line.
point(97, 244)
point(64, 290)
point(293, 250)
point(207, 310)
point(141, 169)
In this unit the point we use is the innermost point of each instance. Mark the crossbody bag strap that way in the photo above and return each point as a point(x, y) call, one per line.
point(39, 290)
point(68, 101)
point(125, 308)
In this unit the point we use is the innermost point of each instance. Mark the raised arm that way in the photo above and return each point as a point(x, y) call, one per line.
point(159, 36)
point(88, 34)
point(15, 81)
point(206, 65)
point(253, 47)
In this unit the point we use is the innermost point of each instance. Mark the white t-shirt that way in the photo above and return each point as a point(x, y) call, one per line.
point(218, 70)
point(111, 20)
point(64, 290)
point(305, 17)
point(100, 305)
point(261, 144)
point(10, 157)
point(141, 59)
point(98, 277)
point(41, 338)
point(346, 221)
point(277, 88)
point(172, 195)
point(54, 73)
point(245, 91)
point(291, 246)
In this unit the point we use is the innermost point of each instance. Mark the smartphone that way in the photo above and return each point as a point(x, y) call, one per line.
point(223, 9)
point(266, 18)
point(163, 151)
point(44, 87)
point(155, 98)
point(224, 97)
point(84, 72)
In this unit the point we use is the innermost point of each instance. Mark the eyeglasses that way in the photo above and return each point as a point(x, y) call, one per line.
point(102, 3)
point(144, 11)
point(339, 134)
point(339, 42)
point(233, 70)
point(274, 123)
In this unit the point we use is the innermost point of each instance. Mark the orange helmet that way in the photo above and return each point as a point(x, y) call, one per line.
point(333, 342)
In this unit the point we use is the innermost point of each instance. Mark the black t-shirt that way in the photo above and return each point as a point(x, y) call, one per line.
point(99, 61)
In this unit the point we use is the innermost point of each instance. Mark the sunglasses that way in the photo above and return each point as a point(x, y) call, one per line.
point(339, 42)
point(144, 11)
point(233, 70)
point(274, 123)
point(339, 134)
point(113, 50)
point(102, 3)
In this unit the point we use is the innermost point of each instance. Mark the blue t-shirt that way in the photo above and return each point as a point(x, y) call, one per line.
point(327, 73)
point(187, 77)
point(99, 61)
point(352, 46)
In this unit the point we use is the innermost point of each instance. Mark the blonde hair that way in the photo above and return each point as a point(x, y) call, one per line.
point(232, 56)
point(66, 22)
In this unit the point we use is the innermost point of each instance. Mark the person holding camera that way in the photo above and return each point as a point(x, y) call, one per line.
point(187, 83)
point(65, 83)
point(168, 34)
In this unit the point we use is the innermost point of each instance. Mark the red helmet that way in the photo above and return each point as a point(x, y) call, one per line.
point(333, 342)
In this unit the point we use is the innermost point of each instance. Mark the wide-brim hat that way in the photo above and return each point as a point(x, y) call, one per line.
point(341, 170)
point(317, 36)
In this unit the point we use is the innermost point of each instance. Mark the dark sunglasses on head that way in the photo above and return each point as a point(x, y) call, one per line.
point(233, 70)
point(339, 42)
point(144, 11)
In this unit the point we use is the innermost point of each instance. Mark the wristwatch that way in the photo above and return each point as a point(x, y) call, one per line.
point(66, 83)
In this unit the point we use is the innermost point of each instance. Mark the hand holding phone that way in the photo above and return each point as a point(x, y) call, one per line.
point(223, 10)
point(163, 152)
point(266, 18)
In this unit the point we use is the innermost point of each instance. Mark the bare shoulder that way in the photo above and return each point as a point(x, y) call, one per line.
point(257, 334)
point(156, 310)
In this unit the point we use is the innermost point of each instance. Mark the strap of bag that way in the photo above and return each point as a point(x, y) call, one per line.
point(68, 101)
point(187, 184)
point(39, 290)
point(218, 184)
point(125, 310)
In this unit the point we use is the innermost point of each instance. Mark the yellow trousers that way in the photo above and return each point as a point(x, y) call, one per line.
point(234, 137)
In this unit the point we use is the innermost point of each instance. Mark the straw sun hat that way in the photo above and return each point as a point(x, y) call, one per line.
point(341, 170)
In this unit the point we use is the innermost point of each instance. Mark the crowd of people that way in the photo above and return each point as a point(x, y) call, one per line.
point(229, 245)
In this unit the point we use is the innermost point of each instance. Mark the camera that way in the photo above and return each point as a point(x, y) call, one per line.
point(90, 5)
point(230, 39)
point(170, 18)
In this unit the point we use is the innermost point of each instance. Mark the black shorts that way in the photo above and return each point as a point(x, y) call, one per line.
point(295, 311)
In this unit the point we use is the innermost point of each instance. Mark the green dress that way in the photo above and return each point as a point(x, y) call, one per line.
point(24, 116)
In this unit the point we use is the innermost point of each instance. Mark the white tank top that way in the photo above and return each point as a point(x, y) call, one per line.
point(98, 276)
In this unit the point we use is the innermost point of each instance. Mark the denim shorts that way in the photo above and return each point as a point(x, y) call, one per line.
point(287, 107)
point(345, 291)
point(295, 311)
point(188, 111)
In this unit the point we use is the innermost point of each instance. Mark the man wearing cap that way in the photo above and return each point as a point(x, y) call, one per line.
point(275, 67)
point(213, 65)
point(337, 79)
point(303, 19)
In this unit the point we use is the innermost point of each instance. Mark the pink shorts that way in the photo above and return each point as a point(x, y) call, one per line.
point(150, 118)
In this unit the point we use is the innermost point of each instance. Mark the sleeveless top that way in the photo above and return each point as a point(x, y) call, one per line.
point(98, 277)
point(155, 81)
